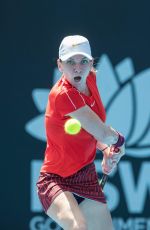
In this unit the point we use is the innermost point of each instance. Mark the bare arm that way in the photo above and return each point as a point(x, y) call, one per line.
point(101, 146)
point(91, 122)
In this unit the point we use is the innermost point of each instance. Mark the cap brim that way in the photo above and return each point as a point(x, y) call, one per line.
point(67, 56)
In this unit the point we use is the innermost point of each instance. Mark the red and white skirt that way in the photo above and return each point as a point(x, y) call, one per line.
point(83, 183)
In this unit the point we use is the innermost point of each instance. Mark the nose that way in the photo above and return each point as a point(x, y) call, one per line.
point(77, 68)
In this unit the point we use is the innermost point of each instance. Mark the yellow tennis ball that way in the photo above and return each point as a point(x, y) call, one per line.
point(72, 126)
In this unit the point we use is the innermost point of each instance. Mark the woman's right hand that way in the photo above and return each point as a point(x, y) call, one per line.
point(111, 157)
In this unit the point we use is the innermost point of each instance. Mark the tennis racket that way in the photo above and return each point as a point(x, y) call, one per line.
point(103, 180)
point(105, 176)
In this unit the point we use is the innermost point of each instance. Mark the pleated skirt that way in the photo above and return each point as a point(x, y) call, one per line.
point(84, 183)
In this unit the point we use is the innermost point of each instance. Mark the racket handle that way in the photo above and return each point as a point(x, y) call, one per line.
point(103, 180)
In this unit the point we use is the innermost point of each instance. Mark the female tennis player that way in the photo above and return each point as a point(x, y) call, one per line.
point(68, 185)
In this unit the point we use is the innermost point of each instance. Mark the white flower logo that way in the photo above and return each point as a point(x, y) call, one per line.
point(126, 98)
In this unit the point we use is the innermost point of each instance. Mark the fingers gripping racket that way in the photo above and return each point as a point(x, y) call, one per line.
point(105, 176)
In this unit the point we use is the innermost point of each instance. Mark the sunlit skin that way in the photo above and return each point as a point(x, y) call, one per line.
point(76, 70)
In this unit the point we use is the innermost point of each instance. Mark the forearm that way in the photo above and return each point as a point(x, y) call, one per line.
point(101, 146)
point(91, 122)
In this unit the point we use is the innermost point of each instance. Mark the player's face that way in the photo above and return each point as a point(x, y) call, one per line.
point(76, 69)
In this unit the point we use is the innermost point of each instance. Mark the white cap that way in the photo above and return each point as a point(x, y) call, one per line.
point(72, 45)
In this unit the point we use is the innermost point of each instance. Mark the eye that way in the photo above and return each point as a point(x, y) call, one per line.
point(84, 61)
point(70, 62)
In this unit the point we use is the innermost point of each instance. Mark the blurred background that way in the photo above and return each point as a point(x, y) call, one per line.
point(119, 34)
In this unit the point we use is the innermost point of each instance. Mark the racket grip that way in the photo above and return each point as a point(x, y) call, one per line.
point(103, 180)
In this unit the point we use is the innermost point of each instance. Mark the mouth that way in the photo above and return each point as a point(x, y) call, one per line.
point(77, 79)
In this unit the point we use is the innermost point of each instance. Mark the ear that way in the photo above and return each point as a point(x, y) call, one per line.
point(59, 64)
